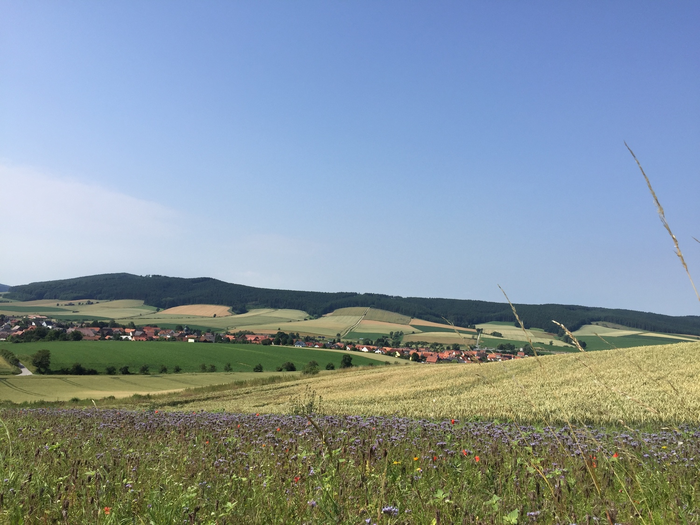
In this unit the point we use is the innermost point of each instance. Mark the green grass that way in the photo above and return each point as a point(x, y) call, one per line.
point(189, 356)
point(10, 307)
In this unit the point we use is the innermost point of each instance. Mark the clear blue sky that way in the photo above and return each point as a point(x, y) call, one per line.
point(433, 149)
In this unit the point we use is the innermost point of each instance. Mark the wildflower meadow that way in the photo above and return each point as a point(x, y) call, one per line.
point(120, 466)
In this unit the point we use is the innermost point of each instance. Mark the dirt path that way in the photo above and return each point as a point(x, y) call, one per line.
point(24, 371)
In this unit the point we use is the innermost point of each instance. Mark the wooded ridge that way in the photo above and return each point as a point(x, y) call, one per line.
point(165, 292)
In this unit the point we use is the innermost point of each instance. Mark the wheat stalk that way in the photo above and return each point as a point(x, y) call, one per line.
point(662, 216)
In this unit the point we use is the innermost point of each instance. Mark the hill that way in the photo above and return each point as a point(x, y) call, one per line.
point(4, 288)
point(168, 292)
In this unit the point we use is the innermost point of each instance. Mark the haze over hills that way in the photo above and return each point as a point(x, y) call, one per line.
point(167, 292)
point(4, 287)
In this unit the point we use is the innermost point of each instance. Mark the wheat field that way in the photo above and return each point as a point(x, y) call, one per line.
point(654, 384)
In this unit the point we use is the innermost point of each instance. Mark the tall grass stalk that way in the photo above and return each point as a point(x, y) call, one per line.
point(662, 216)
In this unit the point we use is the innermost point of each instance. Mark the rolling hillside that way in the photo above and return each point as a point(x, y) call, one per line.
point(168, 292)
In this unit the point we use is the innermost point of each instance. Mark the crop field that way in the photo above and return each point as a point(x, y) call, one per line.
point(63, 388)
point(372, 314)
point(653, 384)
point(445, 338)
point(188, 356)
point(203, 310)
point(126, 308)
point(602, 437)
point(262, 320)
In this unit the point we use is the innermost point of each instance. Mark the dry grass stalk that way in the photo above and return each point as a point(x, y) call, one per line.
point(662, 216)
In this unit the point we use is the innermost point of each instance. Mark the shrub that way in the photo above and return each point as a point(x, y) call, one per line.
point(144, 369)
point(124, 371)
point(346, 361)
point(177, 369)
point(10, 357)
point(111, 370)
point(163, 369)
point(330, 366)
point(212, 368)
point(203, 367)
point(311, 368)
point(227, 367)
point(289, 367)
point(259, 368)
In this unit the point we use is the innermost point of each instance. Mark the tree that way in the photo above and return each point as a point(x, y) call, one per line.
point(177, 369)
point(258, 368)
point(77, 370)
point(76, 335)
point(212, 368)
point(124, 371)
point(203, 367)
point(330, 366)
point(227, 367)
point(111, 370)
point(42, 361)
point(289, 366)
point(346, 361)
point(414, 357)
point(144, 369)
point(311, 368)
point(163, 369)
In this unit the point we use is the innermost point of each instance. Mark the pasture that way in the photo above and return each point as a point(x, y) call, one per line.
point(188, 356)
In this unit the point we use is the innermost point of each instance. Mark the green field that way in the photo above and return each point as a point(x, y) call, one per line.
point(189, 356)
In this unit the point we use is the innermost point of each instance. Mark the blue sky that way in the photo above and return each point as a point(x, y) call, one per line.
point(433, 149)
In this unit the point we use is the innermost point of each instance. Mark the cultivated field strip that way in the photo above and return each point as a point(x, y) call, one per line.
point(635, 385)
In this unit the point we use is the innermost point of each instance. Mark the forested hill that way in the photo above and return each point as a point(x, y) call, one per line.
point(4, 287)
point(166, 292)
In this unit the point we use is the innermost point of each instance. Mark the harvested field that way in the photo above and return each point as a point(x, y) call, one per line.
point(202, 310)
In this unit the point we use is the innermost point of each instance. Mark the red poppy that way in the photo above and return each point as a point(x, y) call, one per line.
point(476, 458)
point(434, 458)
point(464, 452)
point(615, 455)
point(296, 479)
point(108, 510)
point(452, 421)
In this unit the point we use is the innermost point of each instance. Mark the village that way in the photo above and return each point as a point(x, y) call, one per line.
point(42, 328)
